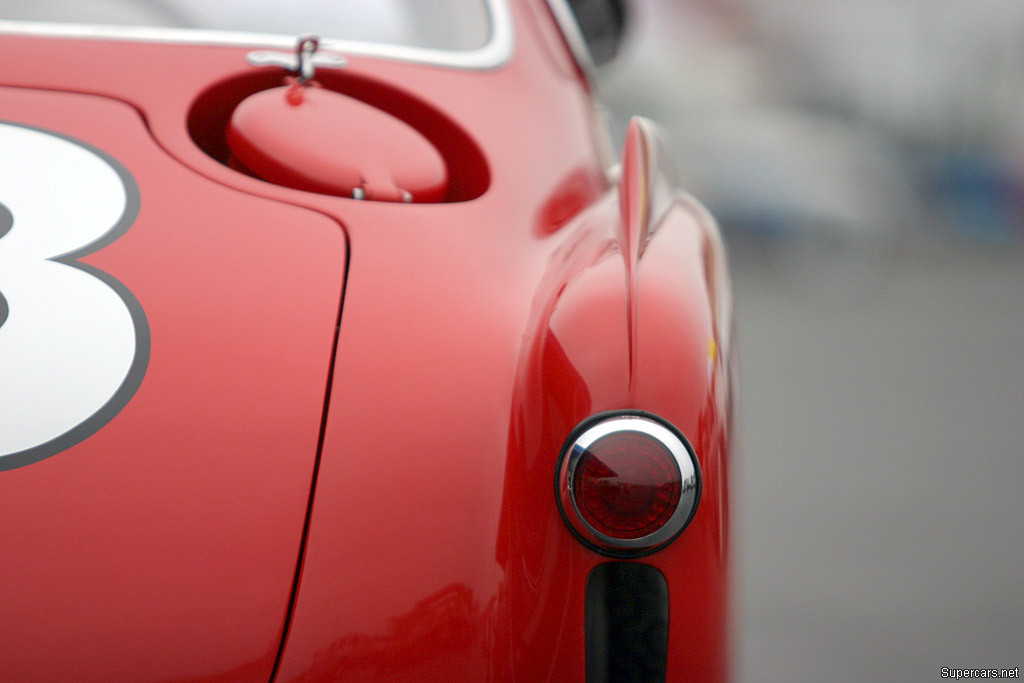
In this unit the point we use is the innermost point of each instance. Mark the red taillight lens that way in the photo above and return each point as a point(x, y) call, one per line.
point(628, 484)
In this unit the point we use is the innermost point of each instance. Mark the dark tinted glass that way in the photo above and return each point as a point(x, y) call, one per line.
point(602, 23)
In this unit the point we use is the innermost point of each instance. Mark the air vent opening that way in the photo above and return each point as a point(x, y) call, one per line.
point(377, 116)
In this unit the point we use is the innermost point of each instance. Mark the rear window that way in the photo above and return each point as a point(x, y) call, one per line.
point(456, 25)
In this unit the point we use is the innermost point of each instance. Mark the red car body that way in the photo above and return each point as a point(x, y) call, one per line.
point(332, 456)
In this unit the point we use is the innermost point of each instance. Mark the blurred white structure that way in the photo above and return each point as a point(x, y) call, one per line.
point(872, 120)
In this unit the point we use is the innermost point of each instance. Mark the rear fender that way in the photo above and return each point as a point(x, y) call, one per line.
point(632, 314)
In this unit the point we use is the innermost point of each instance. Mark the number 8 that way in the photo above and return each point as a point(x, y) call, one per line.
point(74, 342)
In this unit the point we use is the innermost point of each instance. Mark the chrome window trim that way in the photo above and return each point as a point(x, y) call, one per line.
point(574, 37)
point(570, 30)
point(492, 54)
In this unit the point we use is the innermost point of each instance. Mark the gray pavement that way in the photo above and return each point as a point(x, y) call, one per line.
point(878, 519)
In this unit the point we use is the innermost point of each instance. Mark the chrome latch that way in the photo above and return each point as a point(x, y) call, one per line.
point(303, 62)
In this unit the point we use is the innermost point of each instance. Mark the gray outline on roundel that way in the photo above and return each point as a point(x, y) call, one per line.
point(133, 380)
point(6, 221)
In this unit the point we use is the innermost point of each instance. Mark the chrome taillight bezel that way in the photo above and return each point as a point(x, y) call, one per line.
point(604, 424)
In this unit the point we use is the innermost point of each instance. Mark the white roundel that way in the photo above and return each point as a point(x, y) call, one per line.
point(70, 335)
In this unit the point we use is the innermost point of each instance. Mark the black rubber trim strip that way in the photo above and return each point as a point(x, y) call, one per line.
point(293, 598)
point(626, 624)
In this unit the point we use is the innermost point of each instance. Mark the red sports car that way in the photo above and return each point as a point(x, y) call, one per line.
point(350, 359)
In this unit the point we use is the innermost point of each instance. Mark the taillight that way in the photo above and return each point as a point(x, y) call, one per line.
point(628, 483)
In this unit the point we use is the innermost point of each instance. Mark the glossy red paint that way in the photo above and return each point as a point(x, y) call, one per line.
point(476, 334)
point(175, 528)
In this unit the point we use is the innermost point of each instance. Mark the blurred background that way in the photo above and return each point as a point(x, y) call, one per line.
point(866, 162)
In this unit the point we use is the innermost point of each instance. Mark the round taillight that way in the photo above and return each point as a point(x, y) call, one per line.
point(628, 483)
